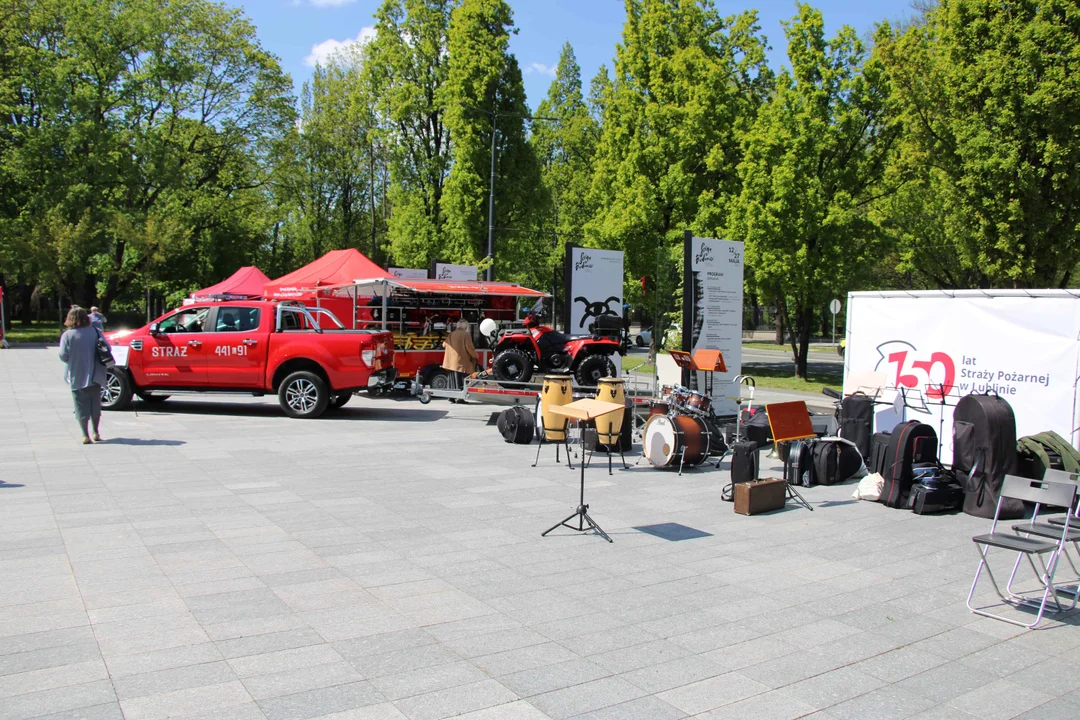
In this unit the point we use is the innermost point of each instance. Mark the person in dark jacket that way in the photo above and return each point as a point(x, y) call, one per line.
point(85, 374)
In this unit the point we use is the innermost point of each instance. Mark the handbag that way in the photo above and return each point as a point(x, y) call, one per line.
point(103, 353)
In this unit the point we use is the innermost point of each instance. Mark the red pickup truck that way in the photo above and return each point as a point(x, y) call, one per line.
point(304, 355)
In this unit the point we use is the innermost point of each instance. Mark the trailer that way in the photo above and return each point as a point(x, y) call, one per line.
point(420, 313)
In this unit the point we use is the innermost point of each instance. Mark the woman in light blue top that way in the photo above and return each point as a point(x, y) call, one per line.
point(78, 349)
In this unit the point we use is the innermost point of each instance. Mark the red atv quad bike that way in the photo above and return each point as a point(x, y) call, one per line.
point(538, 348)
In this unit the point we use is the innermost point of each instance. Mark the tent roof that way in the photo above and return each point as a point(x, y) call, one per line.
point(443, 287)
point(247, 282)
point(334, 268)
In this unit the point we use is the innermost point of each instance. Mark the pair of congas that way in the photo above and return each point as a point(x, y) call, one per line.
point(559, 390)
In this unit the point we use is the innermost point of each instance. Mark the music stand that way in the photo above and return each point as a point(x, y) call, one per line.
point(709, 362)
point(790, 421)
point(583, 411)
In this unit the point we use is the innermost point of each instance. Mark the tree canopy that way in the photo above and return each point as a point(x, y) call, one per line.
point(155, 145)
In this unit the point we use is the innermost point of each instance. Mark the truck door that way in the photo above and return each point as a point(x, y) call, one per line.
point(236, 349)
point(175, 355)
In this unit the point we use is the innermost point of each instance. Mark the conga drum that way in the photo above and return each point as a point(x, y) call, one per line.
point(557, 390)
point(608, 426)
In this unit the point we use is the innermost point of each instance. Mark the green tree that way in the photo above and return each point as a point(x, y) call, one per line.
point(407, 68)
point(137, 134)
point(331, 177)
point(813, 163)
point(687, 83)
point(991, 106)
point(564, 139)
point(485, 99)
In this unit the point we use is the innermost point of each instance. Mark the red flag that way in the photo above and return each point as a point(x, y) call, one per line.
point(643, 284)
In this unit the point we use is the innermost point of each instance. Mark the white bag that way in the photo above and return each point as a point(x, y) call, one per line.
point(869, 488)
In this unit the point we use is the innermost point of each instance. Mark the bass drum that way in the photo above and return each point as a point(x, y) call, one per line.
point(671, 440)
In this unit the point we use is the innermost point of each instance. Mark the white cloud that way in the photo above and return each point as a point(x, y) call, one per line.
point(330, 3)
point(321, 52)
point(541, 69)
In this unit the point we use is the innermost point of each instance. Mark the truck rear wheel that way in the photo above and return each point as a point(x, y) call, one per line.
point(303, 394)
point(340, 399)
point(117, 391)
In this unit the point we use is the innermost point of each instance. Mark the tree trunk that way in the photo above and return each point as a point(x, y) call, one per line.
point(804, 321)
point(26, 297)
point(779, 320)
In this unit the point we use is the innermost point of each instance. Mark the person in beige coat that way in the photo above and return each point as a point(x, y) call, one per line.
point(459, 355)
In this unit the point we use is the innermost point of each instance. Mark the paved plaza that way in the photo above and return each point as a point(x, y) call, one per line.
point(214, 559)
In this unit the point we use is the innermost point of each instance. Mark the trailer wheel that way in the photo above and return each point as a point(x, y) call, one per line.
point(117, 391)
point(340, 399)
point(424, 397)
point(303, 394)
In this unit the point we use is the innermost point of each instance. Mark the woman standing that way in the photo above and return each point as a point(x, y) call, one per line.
point(78, 349)
point(459, 356)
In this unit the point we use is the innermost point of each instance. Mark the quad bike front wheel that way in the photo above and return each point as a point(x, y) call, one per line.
point(512, 365)
point(592, 368)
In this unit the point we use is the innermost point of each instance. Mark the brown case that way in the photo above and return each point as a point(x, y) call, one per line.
point(759, 496)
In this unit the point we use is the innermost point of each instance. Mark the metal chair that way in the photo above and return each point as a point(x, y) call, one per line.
point(1065, 477)
point(1051, 529)
point(1040, 492)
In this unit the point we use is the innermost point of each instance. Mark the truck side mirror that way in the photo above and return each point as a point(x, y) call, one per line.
point(154, 328)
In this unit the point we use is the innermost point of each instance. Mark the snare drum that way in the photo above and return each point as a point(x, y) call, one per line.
point(676, 440)
point(659, 407)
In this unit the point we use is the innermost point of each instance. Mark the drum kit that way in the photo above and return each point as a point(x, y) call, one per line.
point(681, 429)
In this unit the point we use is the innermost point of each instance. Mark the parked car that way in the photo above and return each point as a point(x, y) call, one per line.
point(304, 355)
point(643, 338)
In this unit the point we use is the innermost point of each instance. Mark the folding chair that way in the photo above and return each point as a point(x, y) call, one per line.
point(1065, 477)
point(1040, 492)
point(1051, 530)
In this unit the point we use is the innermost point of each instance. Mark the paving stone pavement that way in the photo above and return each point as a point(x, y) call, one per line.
point(214, 559)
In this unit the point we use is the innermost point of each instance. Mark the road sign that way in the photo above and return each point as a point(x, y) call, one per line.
point(834, 307)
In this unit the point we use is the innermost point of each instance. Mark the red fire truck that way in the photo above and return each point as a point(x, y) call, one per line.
point(304, 355)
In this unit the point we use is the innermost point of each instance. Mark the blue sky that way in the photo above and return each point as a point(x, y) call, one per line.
point(299, 31)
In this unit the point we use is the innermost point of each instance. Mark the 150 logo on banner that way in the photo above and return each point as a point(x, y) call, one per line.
point(907, 368)
point(936, 372)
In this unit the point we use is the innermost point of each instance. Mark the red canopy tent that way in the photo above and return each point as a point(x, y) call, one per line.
point(244, 284)
point(335, 268)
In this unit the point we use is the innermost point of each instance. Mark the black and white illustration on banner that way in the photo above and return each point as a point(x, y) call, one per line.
point(408, 273)
point(930, 348)
point(448, 271)
point(595, 287)
point(717, 270)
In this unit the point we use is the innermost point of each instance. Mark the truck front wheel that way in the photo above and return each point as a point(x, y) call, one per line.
point(117, 391)
point(303, 394)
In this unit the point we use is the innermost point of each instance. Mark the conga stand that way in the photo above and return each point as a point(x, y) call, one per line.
point(583, 411)
point(565, 442)
point(788, 422)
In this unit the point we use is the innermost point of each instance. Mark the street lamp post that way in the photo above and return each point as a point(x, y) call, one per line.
point(489, 274)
